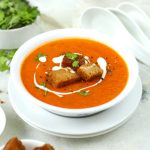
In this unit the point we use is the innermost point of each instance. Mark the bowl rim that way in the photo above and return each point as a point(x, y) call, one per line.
point(16, 79)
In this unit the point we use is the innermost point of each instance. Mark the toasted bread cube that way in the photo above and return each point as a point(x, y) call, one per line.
point(62, 77)
point(15, 144)
point(89, 71)
point(44, 147)
point(67, 62)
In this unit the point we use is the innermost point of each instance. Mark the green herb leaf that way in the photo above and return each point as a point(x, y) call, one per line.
point(38, 56)
point(14, 21)
point(84, 93)
point(71, 56)
point(43, 84)
point(5, 59)
point(2, 15)
point(4, 63)
point(3, 4)
point(75, 63)
point(11, 53)
point(2, 53)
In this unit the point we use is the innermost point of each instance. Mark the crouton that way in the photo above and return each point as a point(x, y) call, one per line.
point(89, 71)
point(62, 77)
point(44, 147)
point(81, 60)
point(67, 62)
point(15, 144)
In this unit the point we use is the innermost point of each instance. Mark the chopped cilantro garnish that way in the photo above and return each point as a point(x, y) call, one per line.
point(39, 56)
point(75, 63)
point(71, 56)
point(43, 84)
point(5, 59)
point(84, 93)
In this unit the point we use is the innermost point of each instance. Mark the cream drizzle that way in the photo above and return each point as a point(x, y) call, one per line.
point(58, 60)
point(87, 59)
point(101, 62)
point(42, 59)
point(37, 66)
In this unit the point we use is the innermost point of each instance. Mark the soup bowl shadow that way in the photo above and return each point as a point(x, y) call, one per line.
point(38, 40)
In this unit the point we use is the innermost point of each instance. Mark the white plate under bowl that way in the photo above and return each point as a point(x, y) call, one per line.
point(97, 124)
point(29, 144)
point(2, 120)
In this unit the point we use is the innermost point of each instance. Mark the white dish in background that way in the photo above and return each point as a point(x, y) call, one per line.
point(14, 38)
point(2, 120)
point(29, 144)
point(94, 125)
point(138, 15)
point(33, 43)
point(132, 27)
point(104, 21)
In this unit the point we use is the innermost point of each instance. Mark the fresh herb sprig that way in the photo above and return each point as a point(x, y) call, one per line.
point(5, 59)
point(75, 64)
point(84, 93)
point(16, 14)
point(43, 84)
point(71, 56)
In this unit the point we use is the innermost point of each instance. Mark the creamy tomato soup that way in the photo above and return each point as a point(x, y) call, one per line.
point(74, 73)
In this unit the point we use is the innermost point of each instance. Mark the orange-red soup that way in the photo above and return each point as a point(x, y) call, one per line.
point(108, 89)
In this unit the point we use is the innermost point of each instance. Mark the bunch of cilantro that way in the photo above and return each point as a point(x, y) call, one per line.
point(5, 59)
point(16, 14)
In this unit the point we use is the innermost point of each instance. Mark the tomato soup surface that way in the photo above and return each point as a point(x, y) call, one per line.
point(111, 86)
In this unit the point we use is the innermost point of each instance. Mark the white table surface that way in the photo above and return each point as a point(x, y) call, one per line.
point(134, 135)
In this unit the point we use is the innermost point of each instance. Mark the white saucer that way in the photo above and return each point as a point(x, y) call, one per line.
point(2, 120)
point(29, 144)
point(100, 123)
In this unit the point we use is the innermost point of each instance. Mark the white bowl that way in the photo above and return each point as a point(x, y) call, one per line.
point(14, 38)
point(29, 144)
point(30, 45)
